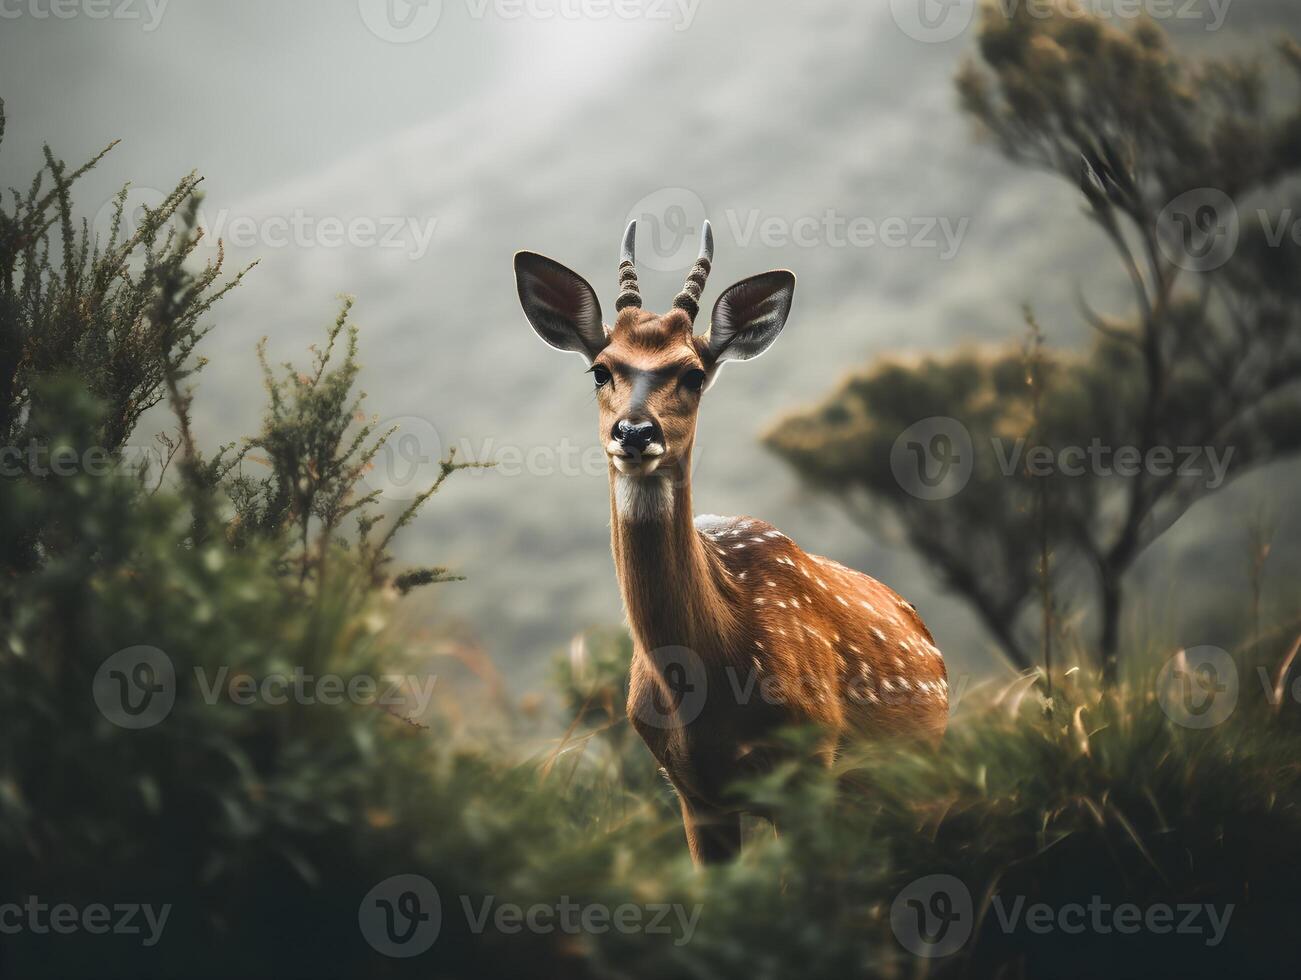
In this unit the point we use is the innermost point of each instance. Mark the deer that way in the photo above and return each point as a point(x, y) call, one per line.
point(736, 631)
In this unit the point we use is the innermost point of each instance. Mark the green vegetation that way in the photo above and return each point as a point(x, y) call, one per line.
point(1176, 162)
point(263, 823)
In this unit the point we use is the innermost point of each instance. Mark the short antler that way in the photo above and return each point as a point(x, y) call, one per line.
point(689, 299)
point(629, 289)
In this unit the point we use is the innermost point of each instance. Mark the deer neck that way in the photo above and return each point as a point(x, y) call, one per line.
point(675, 591)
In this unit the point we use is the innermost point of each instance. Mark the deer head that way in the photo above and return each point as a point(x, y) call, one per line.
point(651, 370)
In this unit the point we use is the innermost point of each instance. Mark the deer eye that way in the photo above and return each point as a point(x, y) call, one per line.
point(601, 376)
point(694, 380)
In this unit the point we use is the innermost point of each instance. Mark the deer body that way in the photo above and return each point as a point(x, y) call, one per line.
point(736, 631)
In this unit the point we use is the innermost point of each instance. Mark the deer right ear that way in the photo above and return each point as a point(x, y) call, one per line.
point(560, 304)
point(749, 316)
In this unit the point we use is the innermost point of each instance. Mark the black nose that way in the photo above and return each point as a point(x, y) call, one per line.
point(635, 436)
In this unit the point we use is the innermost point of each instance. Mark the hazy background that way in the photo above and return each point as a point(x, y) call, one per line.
point(487, 132)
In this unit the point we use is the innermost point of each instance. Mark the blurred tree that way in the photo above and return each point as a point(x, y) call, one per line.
point(1167, 154)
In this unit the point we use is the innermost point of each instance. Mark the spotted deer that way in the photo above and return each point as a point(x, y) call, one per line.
point(736, 631)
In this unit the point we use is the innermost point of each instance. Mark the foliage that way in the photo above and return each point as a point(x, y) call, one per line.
point(1211, 359)
point(264, 821)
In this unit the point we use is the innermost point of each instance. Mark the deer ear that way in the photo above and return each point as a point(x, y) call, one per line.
point(748, 316)
point(560, 304)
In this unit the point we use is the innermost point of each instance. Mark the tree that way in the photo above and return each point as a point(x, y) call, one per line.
point(1165, 154)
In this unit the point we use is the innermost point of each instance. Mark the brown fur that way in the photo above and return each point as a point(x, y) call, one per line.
point(780, 637)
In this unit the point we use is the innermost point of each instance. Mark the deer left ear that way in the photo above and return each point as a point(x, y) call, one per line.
point(560, 304)
point(748, 316)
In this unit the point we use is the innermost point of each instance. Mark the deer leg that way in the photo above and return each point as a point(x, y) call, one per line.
point(713, 835)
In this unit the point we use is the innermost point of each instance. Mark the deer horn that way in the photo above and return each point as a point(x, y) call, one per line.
point(629, 289)
point(689, 299)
